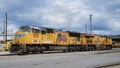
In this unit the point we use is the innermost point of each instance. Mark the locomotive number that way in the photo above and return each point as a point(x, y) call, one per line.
point(35, 41)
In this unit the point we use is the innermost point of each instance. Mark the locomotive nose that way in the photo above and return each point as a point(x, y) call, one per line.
point(19, 35)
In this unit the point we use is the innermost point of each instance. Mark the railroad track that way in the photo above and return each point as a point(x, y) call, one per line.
point(6, 54)
point(55, 52)
point(115, 65)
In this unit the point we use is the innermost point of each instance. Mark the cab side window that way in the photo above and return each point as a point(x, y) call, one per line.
point(35, 30)
point(43, 32)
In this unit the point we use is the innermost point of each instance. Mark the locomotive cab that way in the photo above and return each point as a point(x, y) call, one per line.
point(26, 35)
point(31, 38)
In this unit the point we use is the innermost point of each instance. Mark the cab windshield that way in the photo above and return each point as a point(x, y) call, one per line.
point(24, 29)
point(36, 30)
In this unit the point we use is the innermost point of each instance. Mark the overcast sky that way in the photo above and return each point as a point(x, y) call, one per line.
point(62, 14)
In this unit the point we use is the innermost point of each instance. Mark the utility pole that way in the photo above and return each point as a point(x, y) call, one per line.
point(6, 27)
point(90, 23)
point(4, 31)
point(68, 27)
point(86, 28)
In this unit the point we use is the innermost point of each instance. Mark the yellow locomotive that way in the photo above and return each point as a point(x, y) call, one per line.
point(38, 39)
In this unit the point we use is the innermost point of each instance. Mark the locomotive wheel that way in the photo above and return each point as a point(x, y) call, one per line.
point(41, 51)
point(70, 50)
point(92, 48)
point(22, 53)
point(65, 50)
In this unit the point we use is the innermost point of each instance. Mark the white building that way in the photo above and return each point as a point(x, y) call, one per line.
point(9, 37)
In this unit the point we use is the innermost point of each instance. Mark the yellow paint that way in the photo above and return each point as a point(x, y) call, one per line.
point(52, 38)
